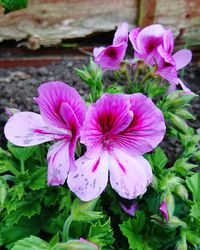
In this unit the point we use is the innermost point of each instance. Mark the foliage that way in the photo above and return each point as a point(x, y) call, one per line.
point(11, 5)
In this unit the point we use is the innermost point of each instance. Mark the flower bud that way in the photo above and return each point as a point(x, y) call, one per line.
point(175, 222)
point(181, 245)
point(169, 199)
point(179, 123)
point(182, 192)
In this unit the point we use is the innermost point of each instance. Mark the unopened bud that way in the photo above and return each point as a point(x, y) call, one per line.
point(182, 192)
point(179, 123)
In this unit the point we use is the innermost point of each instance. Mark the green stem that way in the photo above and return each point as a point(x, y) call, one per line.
point(22, 166)
point(147, 76)
point(41, 154)
point(65, 234)
point(130, 83)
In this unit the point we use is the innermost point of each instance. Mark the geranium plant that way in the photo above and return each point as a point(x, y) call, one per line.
point(91, 172)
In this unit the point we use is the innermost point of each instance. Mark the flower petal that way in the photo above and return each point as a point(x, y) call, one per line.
point(133, 38)
point(52, 95)
point(121, 34)
point(108, 116)
point(182, 58)
point(129, 175)
point(98, 51)
point(58, 163)
point(111, 57)
point(168, 41)
point(90, 178)
point(27, 129)
point(147, 128)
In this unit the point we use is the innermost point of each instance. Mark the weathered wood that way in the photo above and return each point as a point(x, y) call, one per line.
point(48, 22)
point(181, 16)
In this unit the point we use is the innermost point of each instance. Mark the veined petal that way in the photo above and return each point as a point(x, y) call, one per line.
point(121, 34)
point(28, 129)
point(147, 128)
point(129, 175)
point(107, 117)
point(168, 41)
point(150, 38)
point(90, 178)
point(182, 58)
point(58, 163)
point(133, 38)
point(71, 120)
point(98, 51)
point(52, 95)
point(111, 56)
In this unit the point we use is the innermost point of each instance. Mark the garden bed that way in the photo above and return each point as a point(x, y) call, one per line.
point(19, 85)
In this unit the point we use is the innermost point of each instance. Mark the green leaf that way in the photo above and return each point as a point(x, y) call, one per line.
point(38, 179)
point(54, 240)
point(132, 228)
point(101, 234)
point(158, 159)
point(31, 243)
point(195, 211)
point(3, 191)
point(21, 153)
point(11, 5)
point(193, 184)
point(28, 207)
point(83, 211)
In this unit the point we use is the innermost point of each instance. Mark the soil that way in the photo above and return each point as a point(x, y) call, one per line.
point(19, 85)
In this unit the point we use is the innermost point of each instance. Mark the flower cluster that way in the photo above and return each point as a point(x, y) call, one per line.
point(153, 45)
point(117, 130)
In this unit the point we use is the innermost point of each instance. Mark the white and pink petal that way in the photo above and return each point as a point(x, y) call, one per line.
point(58, 163)
point(129, 176)
point(90, 178)
point(28, 129)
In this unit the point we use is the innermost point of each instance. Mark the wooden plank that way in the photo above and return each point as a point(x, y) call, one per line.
point(48, 22)
point(181, 16)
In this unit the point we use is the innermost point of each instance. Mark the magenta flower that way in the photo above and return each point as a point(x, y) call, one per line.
point(154, 45)
point(130, 210)
point(62, 113)
point(118, 129)
point(110, 57)
point(163, 210)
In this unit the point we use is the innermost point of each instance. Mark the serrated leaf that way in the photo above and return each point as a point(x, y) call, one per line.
point(31, 243)
point(101, 234)
point(38, 179)
point(193, 183)
point(158, 159)
point(3, 191)
point(25, 208)
point(131, 230)
point(21, 153)
point(83, 211)
point(54, 240)
point(23, 229)
point(195, 211)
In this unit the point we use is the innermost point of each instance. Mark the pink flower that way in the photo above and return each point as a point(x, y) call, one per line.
point(62, 113)
point(90, 243)
point(110, 57)
point(129, 209)
point(118, 129)
point(155, 45)
point(163, 209)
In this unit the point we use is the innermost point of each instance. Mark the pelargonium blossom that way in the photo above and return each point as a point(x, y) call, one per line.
point(110, 57)
point(163, 209)
point(62, 113)
point(118, 129)
point(154, 45)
